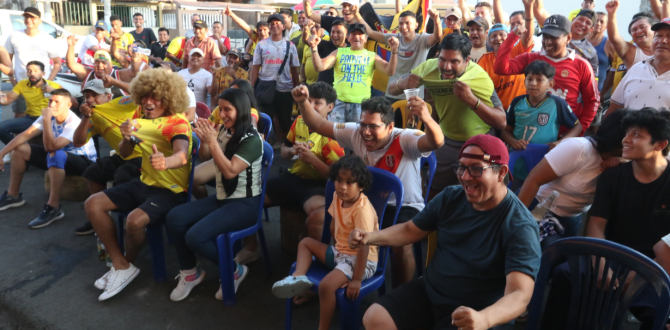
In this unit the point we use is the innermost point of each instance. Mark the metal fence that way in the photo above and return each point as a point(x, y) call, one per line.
point(73, 13)
point(170, 21)
point(208, 18)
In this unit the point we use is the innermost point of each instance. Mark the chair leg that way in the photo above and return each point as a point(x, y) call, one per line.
point(121, 232)
point(227, 270)
point(267, 218)
point(266, 255)
point(155, 236)
point(418, 258)
point(289, 313)
point(382, 289)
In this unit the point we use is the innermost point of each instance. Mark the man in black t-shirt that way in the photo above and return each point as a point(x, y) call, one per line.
point(158, 49)
point(631, 207)
point(349, 8)
point(146, 35)
point(338, 38)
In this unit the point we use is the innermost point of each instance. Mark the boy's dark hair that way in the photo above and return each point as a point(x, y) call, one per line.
point(539, 67)
point(287, 12)
point(321, 90)
point(356, 167)
point(138, 14)
point(639, 16)
point(61, 92)
point(114, 18)
point(164, 29)
point(518, 12)
point(262, 23)
point(140, 43)
point(340, 22)
point(380, 105)
point(610, 134)
point(484, 4)
point(656, 122)
point(217, 22)
point(457, 42)
point(38, 63)
point(408, 13)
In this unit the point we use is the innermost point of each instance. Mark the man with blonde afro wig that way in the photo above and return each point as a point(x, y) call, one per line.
point(164, 136)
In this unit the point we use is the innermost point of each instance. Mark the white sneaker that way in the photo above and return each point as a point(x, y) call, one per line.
point(185, 285)
point(245, 256)
point(239, 277)
point(291, 286)
point(117, 280)
point(101, 283)
point(7, 159)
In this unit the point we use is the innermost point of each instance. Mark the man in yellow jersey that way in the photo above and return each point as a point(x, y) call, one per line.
point(102, 115)
point(353, 68)
point(308, 75)
point(586, 4)
point(35, 90)
point(164, 136)
point(121, 39)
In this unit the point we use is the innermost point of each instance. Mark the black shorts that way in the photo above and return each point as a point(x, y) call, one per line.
point(290, 189)
point(74, 165)
point(406, 214)
point(156, 202)
point(115, 169)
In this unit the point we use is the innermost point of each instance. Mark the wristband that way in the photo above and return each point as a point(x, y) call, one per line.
point(528, 19)
point(477, 106)
point(396, 84)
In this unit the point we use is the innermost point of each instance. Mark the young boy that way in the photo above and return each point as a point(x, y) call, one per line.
point(351, 210)
point(536, 117)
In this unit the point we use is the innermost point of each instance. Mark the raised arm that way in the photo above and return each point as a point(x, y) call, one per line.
point(321, 64)
point(313, 120)
point(506, 66)
point(434, 138)
point(71, 61)
point(437, 27)
point(467, 14)
point(243, 25)
point(622, 48)
point(307, 5)
point(529, 25)
point(388, 67)
point(539, 11)
point(660, 11)
point(497, 11)
point(372, 33)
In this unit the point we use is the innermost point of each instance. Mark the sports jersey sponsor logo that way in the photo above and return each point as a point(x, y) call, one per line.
point(542, 118)
point(125, 100)
point(406, 54)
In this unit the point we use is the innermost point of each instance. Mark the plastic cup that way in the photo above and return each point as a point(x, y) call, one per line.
point(408, 94)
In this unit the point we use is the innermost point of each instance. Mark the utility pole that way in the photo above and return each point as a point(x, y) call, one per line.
point(108, 11)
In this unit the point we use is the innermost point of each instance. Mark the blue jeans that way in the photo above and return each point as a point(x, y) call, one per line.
point(195, 226)
point(14, 125)
point(344, 112)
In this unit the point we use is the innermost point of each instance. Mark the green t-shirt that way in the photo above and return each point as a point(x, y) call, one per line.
point(353, 74)
point(457, 120)
point(477, 249)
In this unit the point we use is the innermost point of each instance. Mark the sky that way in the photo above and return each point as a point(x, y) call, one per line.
point(627, 8)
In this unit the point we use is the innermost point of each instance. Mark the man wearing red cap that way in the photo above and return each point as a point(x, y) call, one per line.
point(487, 256)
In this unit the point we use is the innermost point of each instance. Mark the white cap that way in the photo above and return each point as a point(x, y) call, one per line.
point(352, 2)
point(196, 50)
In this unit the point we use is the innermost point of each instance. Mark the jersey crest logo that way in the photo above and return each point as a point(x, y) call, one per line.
point(565, 73)
point(135, 125)
point(311, 144)
point(390, 161)
point(542, 119)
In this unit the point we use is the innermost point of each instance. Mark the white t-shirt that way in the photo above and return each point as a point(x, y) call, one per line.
point(40, 47)
point(643, 87)
point(410, 55)
point(198, 82)
point(85, 55)
point(66, 130)
point(409, 170)
point(577, 164)
point(289, 33)
point(270, 55)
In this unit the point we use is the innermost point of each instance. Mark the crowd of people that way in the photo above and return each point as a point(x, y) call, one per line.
point(486, 86)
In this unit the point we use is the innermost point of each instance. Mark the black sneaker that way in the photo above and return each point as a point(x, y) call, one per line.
point(47, 216)
point(7, 201)
point(85, 229)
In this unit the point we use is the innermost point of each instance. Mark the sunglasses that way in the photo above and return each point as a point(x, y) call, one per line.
point(330, 13)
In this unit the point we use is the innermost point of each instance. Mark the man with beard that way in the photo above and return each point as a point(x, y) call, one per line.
point(465, 102)
point(35, 91)
point(574, 81)
point(639, 28)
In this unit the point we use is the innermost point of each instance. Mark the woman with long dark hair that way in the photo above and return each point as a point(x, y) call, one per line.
point(237, 151)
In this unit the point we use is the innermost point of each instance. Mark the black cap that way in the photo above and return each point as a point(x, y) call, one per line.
point(664, 23)
point(481, 21)
point(276, 17)
point(556, 26)
point(588, 13)
point(357, 27)
point(32, 11)
point(200, 24)
point(173, 67)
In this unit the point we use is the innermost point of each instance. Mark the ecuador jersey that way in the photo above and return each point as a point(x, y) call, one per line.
point(619, 69)
point(326, 150)
point(162, 132)
point(540, 123)
point(216, 119)
point(36, 100)
point(106, 119)
point(122, 44)
point(176, 48)
point(507, 87)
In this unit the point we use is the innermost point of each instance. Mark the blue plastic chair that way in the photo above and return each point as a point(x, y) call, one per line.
point(592, 308)
point(532, 156)
point(226, 241)
point(432, 166)
point(384, 184)
point(267, 128)
point(153, 231)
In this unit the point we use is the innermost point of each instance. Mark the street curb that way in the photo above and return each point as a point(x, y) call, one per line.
point(12, 316)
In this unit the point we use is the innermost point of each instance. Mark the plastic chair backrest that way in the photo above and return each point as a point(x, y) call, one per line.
point(431, 160)
point(591, 307)
point(384, 183)
point(194, 155)
point(266, 162)
point(266, 123)
point(202, 110)
point(532, 156)
point(402, 105)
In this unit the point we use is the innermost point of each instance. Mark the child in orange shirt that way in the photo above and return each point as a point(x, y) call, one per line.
point(350, 209)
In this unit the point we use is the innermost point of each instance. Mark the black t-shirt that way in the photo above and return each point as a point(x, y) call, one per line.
point(327, 22)
point(325, 48)
point(159, 51)
point(147, 36)
point(637, 214)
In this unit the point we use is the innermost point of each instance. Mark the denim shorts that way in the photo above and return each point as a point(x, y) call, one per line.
point(344, 112)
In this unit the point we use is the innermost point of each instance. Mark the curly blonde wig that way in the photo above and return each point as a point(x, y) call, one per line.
point(166, 87)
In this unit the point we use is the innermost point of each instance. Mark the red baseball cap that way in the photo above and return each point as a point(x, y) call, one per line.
point(494, 149)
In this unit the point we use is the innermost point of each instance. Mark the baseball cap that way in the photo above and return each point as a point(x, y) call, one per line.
point(101, 25)
point(102, 55)
point(196, 50)
point(97, 86)
point(173, 67)
point(276, 17)
point(351, 2)
point(499, 27)
point(481, 21)
point(494, 149)
point(233, 52)
point(200, 24)
point(32, 11)
point(664, 23)
point(358, 27)
point(455, 11)
point(588, 13)
point(556, 26)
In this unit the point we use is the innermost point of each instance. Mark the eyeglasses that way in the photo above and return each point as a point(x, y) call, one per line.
point(474, 171)
point(330, 13)
point(364, 127)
